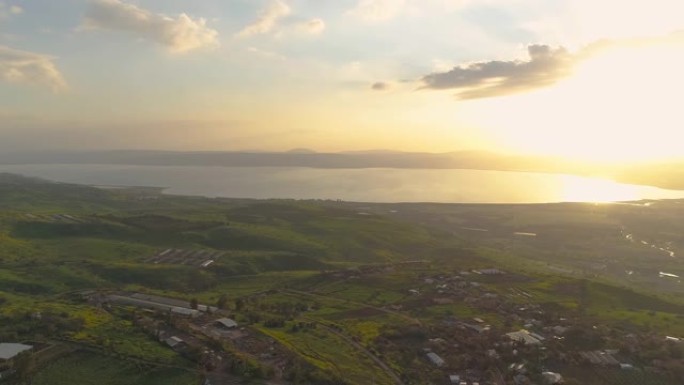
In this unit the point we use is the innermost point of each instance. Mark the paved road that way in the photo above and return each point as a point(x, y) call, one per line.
point(363, 349)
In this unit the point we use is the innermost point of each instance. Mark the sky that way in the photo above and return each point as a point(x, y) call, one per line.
point(596, 80)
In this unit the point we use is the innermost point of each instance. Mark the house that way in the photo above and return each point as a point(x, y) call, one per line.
point(552, 378)
point(525, 337)
point(175, 343)
point(490, 272)
point(600, 358)
point(10, 350)
point(476, 328)
point(192, 313)
point(226, 323)
point(537, 336)
point(172, 302)
point(435, 359)
point(149, 302)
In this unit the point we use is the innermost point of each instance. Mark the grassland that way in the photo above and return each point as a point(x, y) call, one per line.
point(91, 369)
point(331, 353)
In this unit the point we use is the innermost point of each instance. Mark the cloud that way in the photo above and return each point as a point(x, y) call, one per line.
point(266, 54)
point(9, 10)
point(312, 27)
point(377, 10)
point(546, 65)
point(267, 20)
point(22, 67)
point(181, 34)
point(380, 86)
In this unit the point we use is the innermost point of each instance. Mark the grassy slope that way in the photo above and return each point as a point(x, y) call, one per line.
point(91, 369)
point(275, 244)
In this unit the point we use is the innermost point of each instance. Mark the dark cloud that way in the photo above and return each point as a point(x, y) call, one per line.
point(380, 86)
point(546, 65)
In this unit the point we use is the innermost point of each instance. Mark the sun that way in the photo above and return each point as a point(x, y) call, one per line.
point(622, 105)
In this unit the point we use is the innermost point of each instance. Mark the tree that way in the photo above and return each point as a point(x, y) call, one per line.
point(239, 304)
point(222, 302)
point(25, 366)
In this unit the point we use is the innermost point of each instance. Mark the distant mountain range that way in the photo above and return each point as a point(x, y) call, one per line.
point(665, 175)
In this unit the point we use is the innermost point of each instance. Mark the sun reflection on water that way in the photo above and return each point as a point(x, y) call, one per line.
point(581, 189)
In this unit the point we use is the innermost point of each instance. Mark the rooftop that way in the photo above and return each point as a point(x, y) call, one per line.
point(525, 337)
point(174, 341)
point(435, 359)
point(227, 322)
point(11, 350)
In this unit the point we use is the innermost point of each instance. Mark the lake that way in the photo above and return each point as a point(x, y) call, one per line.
point(363, 185)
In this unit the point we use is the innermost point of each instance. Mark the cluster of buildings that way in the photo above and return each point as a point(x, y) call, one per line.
point(516, 308)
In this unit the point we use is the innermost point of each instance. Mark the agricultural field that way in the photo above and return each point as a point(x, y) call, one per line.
point(200, 258)
point(329, 351)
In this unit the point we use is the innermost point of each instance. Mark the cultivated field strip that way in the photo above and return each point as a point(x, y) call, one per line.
point(199, 258)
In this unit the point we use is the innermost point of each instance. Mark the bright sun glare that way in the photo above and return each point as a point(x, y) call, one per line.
point(578, 189)
point(582, 189)
point(621, 105)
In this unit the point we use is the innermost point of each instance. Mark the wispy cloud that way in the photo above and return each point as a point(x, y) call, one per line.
point(266, 54)
point(181, 34)
point(312, 27)
point(267, 20)
point(22, 67)
point(7, 10)
point(377, 10)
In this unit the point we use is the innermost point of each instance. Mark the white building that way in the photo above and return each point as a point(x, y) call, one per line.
point(11, 350)
point(435, 359)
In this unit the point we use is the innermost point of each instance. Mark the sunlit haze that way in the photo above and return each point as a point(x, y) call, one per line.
point(585, 80)
point(342, 192)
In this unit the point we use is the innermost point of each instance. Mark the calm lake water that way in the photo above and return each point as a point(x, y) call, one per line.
point(369, 185)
